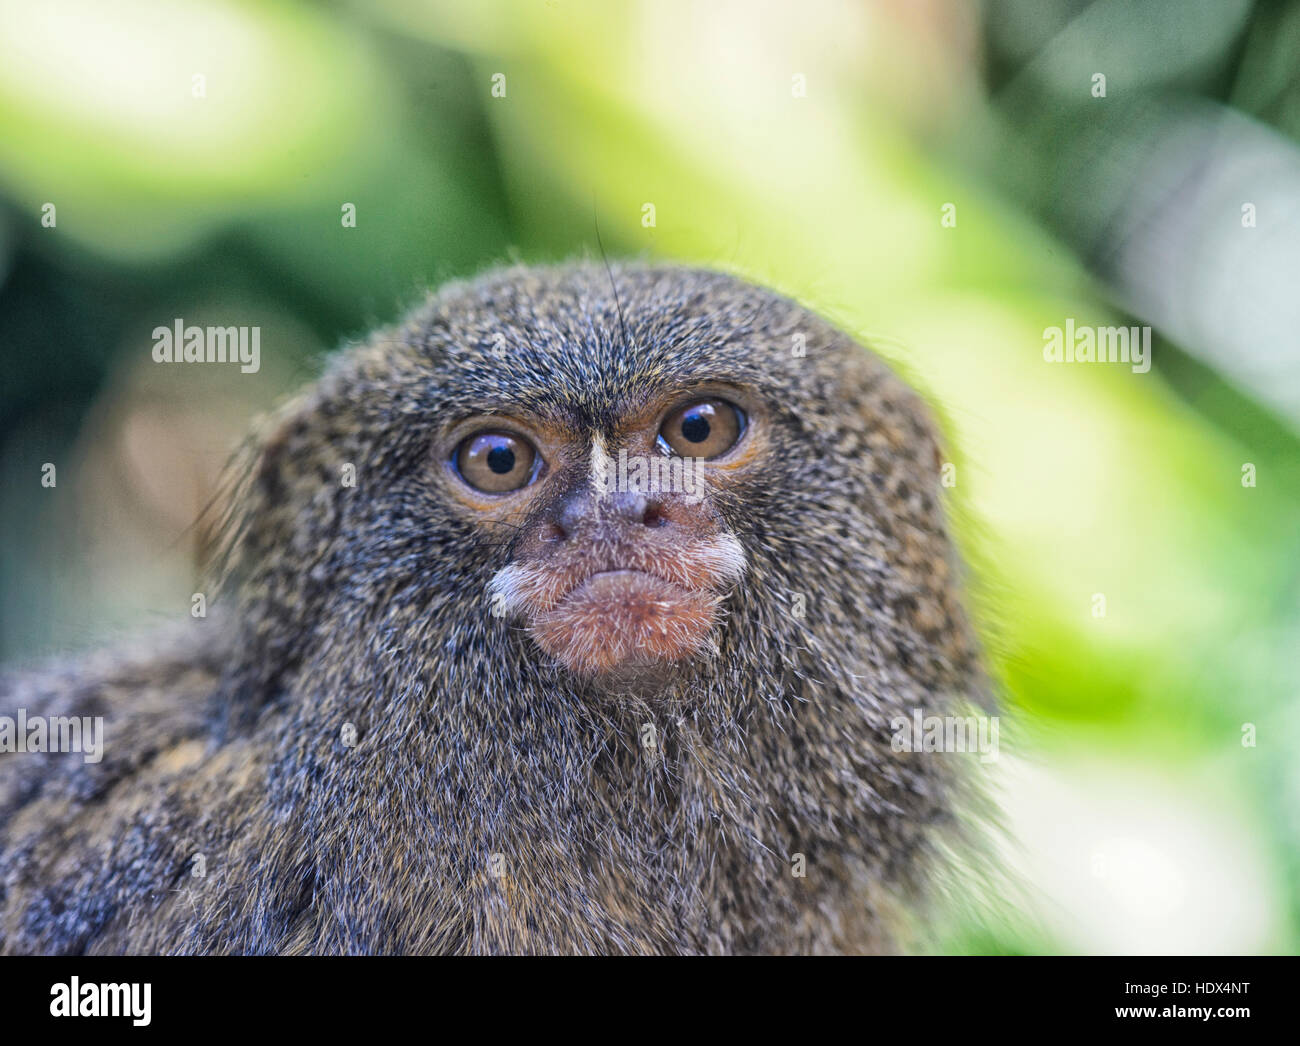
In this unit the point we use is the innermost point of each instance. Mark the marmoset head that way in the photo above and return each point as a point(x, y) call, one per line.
point(625, 478)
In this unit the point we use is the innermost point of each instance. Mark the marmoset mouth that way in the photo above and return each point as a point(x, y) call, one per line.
point(639, 608)
point(615, 619)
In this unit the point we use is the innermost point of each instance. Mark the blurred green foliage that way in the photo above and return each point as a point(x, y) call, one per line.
point(175, 195)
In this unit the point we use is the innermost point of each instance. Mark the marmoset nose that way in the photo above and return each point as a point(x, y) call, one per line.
point(587, 511)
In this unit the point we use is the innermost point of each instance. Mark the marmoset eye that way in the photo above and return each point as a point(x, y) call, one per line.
point(496, 462)
point(705, 428)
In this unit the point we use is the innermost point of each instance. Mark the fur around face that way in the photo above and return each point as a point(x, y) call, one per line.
point(367, 760)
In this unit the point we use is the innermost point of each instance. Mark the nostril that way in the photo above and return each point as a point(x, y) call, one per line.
point(652, 517)
point(552, 532)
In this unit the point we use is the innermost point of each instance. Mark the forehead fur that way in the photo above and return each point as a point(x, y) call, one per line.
point(583, 344)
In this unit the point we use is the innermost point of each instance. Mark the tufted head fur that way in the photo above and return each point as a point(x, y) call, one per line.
point(371, 756)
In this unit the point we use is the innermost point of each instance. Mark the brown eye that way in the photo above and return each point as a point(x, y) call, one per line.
point(703, 429)
point(496, 462)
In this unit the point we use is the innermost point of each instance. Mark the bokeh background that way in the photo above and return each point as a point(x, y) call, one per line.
point(199, 156)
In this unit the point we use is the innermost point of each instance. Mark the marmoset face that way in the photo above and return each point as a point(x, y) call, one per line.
point(633, 475)
point(622, 560)
point(630, 440)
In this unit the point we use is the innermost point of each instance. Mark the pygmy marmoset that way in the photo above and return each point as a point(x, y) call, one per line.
point(597, 652)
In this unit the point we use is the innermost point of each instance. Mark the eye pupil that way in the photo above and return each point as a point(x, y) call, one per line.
point(501, 460)
point(695, 427)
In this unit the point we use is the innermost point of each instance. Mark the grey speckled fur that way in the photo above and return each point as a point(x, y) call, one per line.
point(365, 606)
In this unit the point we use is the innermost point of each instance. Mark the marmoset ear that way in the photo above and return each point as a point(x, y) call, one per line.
point(914, 486)
point(254, 481)
point(269, 535)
